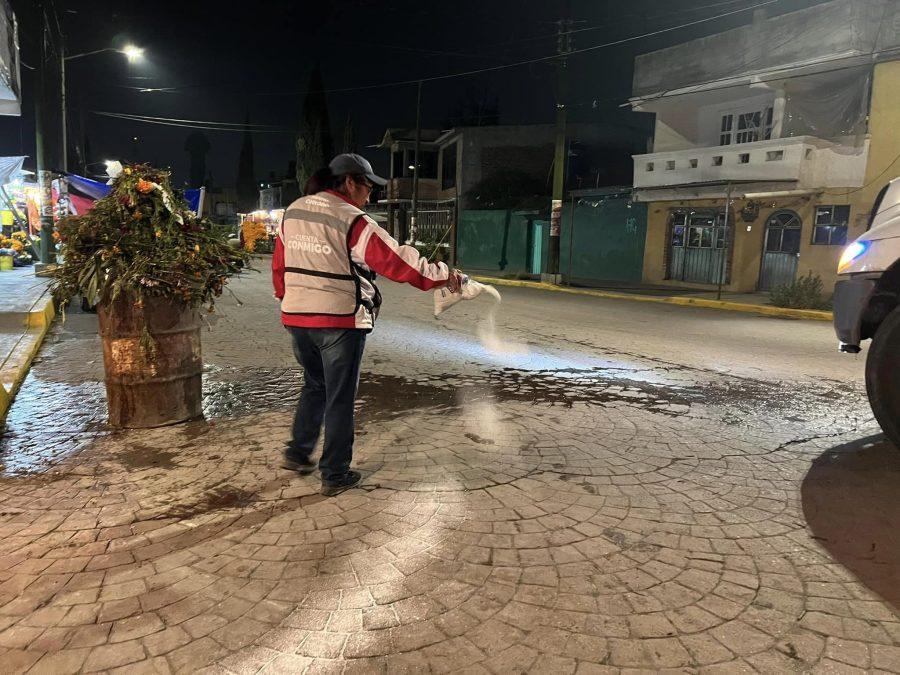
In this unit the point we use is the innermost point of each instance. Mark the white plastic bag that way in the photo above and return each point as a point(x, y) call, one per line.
point(444, 299)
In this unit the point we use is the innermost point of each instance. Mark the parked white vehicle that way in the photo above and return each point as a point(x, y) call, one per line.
point(867, 306)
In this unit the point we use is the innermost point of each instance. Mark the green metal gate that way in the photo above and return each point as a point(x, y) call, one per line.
point(603, 237)
point(781, 250)
point(697, 247)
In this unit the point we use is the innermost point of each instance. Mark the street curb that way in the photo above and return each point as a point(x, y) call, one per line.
point(16, 364)
point(684, 301)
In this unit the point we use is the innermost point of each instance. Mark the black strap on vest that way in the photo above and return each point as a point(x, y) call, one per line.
point(317, 273)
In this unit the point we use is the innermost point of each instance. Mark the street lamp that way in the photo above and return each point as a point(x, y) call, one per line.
point(131, 52)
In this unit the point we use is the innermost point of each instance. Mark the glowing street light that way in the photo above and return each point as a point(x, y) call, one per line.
point(132, 53)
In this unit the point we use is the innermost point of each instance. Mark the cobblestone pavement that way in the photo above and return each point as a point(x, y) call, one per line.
point(604, 486)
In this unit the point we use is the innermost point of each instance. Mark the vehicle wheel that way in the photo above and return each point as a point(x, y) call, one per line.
point(883, 376)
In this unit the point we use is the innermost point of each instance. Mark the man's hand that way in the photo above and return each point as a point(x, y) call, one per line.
point(454, 283)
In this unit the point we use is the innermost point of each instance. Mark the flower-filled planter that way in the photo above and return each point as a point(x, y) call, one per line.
point(149, 265)
point(14, 251)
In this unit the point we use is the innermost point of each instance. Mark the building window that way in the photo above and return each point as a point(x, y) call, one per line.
point(831, 225)
point(744, 158)
point(746, 127)
point(428, 160)
point(677, 224)
point(649, 166)
point(697, 230)
point(396, 164)
point(448, 167)
point(725, 131)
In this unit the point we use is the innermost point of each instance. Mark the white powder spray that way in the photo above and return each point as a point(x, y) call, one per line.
point(486, 330)
point(490, 338)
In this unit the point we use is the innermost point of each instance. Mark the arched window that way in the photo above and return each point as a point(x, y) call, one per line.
point(783, 232)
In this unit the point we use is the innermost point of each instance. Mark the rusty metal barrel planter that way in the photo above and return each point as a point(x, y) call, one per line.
point(151, 387)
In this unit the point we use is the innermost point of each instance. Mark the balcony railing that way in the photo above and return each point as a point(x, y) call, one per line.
point(807, 161)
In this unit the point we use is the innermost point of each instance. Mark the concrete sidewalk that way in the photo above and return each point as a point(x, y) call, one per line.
point(753, 303)
point(26, 312)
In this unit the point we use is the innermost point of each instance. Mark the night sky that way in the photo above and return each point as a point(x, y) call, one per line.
point(228, 61)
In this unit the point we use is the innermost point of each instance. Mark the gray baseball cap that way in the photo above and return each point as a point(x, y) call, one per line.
point(354, 164)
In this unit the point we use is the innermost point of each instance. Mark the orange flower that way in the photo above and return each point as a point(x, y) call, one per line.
point(144, 186)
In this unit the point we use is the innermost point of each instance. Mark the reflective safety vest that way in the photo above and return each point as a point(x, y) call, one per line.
point(319, 276)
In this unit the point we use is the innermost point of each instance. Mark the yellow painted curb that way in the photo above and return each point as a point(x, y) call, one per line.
point(17, 363)
point(767, 310)
point(42, 314)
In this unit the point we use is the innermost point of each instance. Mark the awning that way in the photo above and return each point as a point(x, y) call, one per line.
point(10, 167)
point(739, 189)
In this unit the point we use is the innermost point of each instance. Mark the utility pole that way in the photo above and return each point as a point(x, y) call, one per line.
point(723, 266)
point(45, 193)
point(415, 194)
point(563, 47)
point(62, 104)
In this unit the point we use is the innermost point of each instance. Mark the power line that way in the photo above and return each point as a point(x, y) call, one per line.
point(201, 124)
point(553, 57)
point(176, 119)
point(535, 60)
point(542, 59)
point(134, 118)
point(771, 76)
point(549, 36)
point(742, 68)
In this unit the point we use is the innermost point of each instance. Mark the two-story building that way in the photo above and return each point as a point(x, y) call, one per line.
point(792, 120)
point(454, 163)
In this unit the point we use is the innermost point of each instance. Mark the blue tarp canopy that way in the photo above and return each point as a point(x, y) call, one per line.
point(93, 189)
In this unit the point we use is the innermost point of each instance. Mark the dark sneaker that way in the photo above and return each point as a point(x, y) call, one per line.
point(302, 466)
point(345, 482)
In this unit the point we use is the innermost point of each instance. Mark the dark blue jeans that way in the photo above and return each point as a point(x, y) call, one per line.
point(330, 358)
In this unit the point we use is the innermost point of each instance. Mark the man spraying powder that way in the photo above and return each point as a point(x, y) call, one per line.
point(326, 256)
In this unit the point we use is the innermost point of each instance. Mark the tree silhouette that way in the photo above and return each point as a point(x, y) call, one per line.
point(248, 195)
point(197, 146)
point(315, 144)
point(349, 136)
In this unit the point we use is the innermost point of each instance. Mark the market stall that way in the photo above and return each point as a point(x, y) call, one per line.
point(18, 214)
point(259, 229)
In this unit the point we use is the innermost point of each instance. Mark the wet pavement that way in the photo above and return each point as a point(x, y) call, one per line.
point(562, 485)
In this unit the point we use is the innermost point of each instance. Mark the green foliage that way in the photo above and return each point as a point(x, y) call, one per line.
point(804, 293)
point(142, 240)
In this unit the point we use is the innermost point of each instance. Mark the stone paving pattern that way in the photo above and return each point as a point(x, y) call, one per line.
point(591, 511)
